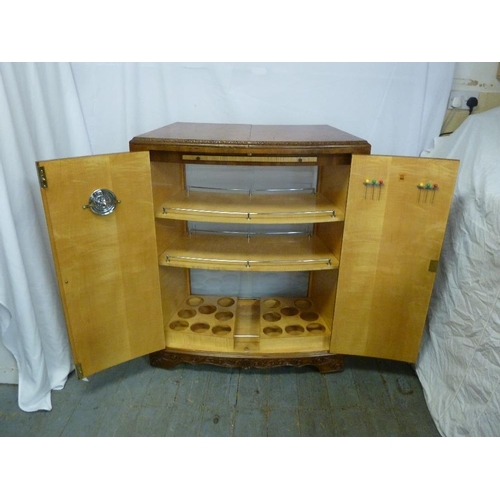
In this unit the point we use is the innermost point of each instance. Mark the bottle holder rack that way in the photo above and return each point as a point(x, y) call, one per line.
point(204, 322)
point(291, 324)
point(284, 325)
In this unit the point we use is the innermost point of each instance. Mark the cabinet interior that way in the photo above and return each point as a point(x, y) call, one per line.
point(248, 249)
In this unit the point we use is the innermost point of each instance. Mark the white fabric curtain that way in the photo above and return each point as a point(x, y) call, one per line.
point(52, 110)
point(40, 118)
point(459, 361)
point(398, 107)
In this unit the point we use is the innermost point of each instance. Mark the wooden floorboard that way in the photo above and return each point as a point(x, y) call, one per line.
point(221, 388)
point(283, 422)
point(217, 422)
point(317, 422)
point(250, 422)
point(312, 390)
point(369, 398)
point(350, 422)
point(184, 420)
point(253, 389)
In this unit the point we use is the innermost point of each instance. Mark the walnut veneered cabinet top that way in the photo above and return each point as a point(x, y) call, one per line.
point(244, 139)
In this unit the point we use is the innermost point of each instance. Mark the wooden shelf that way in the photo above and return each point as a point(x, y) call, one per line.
point(254, 253)
point(254, 208)
point(231, 325)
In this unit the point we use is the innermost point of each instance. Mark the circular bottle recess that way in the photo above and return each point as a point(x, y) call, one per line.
point(195, 301)
point(208, 309)
point(272, 303)
point(200, 327)
point(309, 316)
point(224, 315)
point(272, 316)
point(294, 329)
point(186, 313)
point(178, 325)
point(303, 303)
point(315, 328)
point(289, 311)
point(225, 301)
point(221, 330)
point(272, 331)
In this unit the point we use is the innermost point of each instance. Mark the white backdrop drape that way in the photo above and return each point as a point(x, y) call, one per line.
point(40, 117)
point(53, 110)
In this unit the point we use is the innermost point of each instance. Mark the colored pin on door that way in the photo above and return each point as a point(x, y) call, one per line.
point(373, 184)
point(426, 188)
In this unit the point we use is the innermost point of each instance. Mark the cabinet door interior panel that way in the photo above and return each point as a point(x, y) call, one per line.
point(105, 261)
point(395, 221)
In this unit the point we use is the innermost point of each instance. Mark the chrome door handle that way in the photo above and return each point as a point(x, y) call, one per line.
point(102, 202)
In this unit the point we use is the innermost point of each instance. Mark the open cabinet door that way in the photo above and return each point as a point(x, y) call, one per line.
point(396, 215)
point(105, 256)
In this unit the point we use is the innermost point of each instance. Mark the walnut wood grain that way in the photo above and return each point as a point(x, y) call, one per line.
point(325, 363)
point(249, 139)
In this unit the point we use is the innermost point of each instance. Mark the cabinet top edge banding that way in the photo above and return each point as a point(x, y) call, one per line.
point(267, 149)
point(294, 139)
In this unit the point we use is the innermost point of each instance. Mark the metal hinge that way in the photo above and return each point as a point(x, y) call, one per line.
point(42, 178)
point(79, 371)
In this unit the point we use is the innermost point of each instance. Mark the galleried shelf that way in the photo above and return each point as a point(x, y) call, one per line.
point(245, 246)
point(252, 207)
point(249, 253)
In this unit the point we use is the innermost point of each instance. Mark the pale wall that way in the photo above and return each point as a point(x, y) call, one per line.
point(476, 76)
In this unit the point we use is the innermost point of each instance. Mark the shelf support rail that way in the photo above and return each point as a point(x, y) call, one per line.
point(251, 191)
point(248, 263)
point(248, 215)
point(249, 234)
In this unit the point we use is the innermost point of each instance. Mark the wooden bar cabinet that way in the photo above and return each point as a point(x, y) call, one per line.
point(131, 233)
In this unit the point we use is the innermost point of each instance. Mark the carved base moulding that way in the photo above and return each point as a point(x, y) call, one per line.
point(324, 362)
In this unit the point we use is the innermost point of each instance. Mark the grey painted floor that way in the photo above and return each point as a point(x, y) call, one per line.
point(369, 398)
